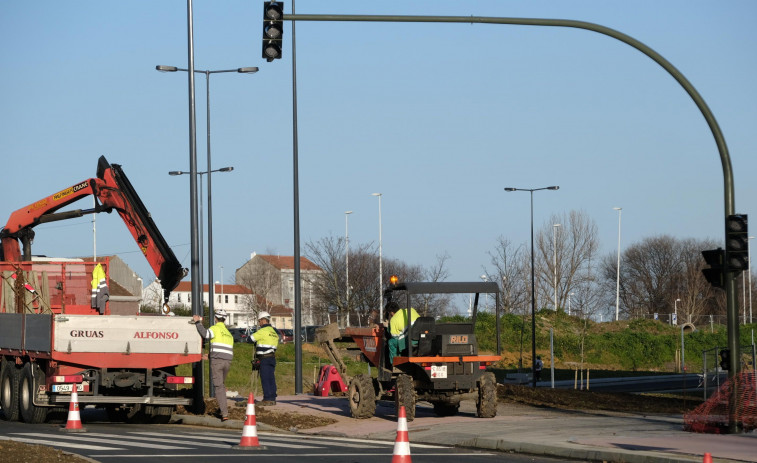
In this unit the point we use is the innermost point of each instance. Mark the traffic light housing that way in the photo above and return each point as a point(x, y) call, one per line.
point(725, 359)
point(736, 243)
point(273, 30)
point(715, 275)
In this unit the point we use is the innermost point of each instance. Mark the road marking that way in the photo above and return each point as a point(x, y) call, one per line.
point(83, 438)
point(53, 443)
point(152, 438)
point(283, 455)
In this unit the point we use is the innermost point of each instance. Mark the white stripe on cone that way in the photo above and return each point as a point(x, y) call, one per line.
point(402, 443)
point(250, 429)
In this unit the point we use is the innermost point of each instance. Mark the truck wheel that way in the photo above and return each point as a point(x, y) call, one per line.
point(9, 385)
point(31, 377)
point(486, 404)
point(404, 395)
point(446, 409)
point(162, 414)
point(362, 397)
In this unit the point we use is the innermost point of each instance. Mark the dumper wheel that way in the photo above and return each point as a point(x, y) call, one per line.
point(31, 378)
point(9, 389)
point(404, 395)
point(362, 397)
point(446, 409)
point(486, 404)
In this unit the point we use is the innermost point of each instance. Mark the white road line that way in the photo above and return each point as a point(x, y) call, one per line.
point(151, 437)
point(264, 437)
point(283, 455)
point(60, 444)
point(225, 438)
point(84, 438)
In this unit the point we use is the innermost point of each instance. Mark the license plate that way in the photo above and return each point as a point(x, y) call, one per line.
point(82, 387)
point(438, 371)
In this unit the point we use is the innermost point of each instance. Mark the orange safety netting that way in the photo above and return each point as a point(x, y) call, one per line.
point(713, 415)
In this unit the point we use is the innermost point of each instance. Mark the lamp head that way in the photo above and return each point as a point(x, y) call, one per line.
point(553, 187)
point(176, 172)
point(162, 68)
point(248, 70)
point(510, 189)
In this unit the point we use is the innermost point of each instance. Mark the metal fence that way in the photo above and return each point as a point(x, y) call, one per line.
point(713, 375)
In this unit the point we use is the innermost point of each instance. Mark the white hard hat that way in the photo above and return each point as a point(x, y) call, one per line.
point(220, 313)
point(263, 315)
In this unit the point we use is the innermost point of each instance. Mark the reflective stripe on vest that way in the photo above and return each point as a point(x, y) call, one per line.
point(221, 341)
point(267, 340)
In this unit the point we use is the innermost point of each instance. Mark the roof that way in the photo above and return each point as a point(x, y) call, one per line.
point(186, 286)
point(287, 262)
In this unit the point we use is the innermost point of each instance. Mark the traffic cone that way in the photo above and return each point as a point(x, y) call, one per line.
point(73, 424)
point(707, 458)
point(250, 429)
point(402, 443)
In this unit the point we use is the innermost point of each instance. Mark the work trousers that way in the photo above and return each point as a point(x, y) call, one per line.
point(219, 369)
point(268, 377)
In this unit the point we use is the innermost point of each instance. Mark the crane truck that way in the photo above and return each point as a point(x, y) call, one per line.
point(57, 335)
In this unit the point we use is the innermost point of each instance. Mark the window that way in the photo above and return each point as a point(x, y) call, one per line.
point(236, 299)
point(178, 297)
point(226, 299)
point(218, 299)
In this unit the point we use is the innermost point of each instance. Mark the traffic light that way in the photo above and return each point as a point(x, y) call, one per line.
point(736, 243)
point(273, 29)
point(715, 275)
point(725, 359)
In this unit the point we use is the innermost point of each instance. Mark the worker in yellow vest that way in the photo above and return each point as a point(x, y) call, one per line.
point(221, 354)
point(399, 328)
point(266, 340)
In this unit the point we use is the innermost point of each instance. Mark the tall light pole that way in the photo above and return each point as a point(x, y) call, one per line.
point(569, 294)
point(554, 243)
point(533, 276)
point(381, 270)
point(245, 70)
point(210, 239)
point(617, 280)
point(347, 262)
point(675, 309)
point(749, 260)
point(222, 300)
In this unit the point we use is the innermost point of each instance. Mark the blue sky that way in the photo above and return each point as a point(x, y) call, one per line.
point(437, 117)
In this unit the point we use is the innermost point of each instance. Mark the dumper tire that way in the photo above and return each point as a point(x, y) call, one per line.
point(32, 377)
point(9, 388)
point(404, 395)
point(486, 404)
point(362, 395)
point(162, 414)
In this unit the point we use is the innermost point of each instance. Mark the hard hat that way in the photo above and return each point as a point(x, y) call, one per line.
point(263, 315)
point(220, 313)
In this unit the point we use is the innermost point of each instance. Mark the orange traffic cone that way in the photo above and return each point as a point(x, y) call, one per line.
point(707, 458)
point(250, 429)
point(73, 424)
point(402, 443)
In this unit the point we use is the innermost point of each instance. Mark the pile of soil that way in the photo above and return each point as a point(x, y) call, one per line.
point(266, 415)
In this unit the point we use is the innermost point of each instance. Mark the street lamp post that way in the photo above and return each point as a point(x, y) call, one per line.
point(569, 295)
point(245, 70)
point(381, 270)
point(554, 243)
point(486, 301)
point(617, 279)
point(749, 260)
point(675, 310)
point(347, 263)
point(533, 276)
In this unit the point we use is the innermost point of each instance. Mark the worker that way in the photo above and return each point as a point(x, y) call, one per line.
point(266, 340)
point(221, 354)
point(398, 328)
point(538, 365)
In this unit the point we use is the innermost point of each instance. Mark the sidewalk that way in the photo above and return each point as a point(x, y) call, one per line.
point(597, 436)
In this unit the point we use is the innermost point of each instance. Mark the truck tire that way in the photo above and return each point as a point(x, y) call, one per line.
point(446, 409)
point(9, 385)
point(362, 397)
point(31, 377)
point(404, 395)
point(486, 404)
point(162, 414)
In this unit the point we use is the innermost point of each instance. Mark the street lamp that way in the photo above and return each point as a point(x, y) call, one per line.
point(245, 70)
point(554, 243)
point(347, 262)
point(533, 277)
point(381, 270)
point(210, 235)
point(617, 280)
point(569, 294)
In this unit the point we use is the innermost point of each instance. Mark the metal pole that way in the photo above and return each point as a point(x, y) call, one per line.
point(749, 259)
point(211, 282)
point(347, 264)
point(381, 270)
point(296, 220)
point(617, 281)
point(554, 243)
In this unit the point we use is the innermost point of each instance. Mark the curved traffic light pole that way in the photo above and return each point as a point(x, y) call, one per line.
point(725, 160)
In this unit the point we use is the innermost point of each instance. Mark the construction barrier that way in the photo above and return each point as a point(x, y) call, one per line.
point(73, 423)
point(249, 439)
point(402, 442)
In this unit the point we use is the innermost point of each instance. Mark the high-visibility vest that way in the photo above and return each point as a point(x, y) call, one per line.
point(221, 342)
point(267, 340)
point(398, 325)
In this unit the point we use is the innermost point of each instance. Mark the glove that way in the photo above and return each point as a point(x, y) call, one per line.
point(255, 364)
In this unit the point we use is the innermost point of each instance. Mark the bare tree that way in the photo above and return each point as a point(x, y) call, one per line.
point(509, 268)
